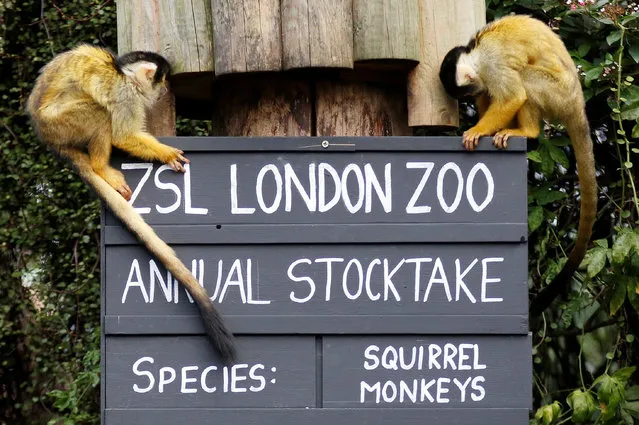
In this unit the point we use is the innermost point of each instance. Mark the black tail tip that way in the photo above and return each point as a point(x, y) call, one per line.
point(226, 348)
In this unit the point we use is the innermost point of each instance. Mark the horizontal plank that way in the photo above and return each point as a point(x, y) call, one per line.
point(410, 284)
point(328, 233)
point(323, 325)
point(321, 188)
point(332, 371)
point(338, 144)
point(316, 416)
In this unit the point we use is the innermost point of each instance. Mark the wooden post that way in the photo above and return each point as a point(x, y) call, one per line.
point(443, 24)
point(349, 46)
point(386, 29)
point(348, 108)
point(271, 105)
point(247, 36)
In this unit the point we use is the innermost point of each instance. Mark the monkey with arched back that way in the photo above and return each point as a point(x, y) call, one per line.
point(87, 100)
point(520, 72)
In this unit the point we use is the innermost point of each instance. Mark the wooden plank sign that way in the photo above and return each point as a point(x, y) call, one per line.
point(368, 280)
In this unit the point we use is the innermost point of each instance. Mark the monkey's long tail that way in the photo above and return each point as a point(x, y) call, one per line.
point(221, 337)
point(579, 132)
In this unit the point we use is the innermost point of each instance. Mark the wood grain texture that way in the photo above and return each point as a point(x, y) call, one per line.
point(443, 25)
point(125, 33)
point(186, 35)
point(247, 36)
point(296, 47)
point(330, 24)
point(386, 29)
point(361, 109)
point(271, 105)
point(180, 30)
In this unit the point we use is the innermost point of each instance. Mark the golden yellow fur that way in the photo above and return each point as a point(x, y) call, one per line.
point(81, 102)
point(84, 102)
point(520, 72)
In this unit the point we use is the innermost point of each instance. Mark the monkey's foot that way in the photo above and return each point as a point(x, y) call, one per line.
point(471, 138)
point(116, 180)
point(500, 140)
point(174, 158)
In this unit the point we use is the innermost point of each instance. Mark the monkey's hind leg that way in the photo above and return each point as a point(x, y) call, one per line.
point(99, 154)
point(145, 146)
point(527, 119)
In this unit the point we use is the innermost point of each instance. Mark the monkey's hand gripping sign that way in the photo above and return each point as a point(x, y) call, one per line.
point(376, 280)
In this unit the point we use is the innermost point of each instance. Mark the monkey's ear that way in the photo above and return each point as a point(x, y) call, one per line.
point(146, 70)
point(465, 75)
point(141, 71)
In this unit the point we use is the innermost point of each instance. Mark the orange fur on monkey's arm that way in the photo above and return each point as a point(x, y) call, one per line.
point(498, 116)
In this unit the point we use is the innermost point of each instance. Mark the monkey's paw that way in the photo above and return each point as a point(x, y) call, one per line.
point(500, 140)
point(174, 158)
point(116, 180)
point(471, 138)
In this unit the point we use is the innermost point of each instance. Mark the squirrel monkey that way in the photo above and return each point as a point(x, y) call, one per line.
point(520, 72)
point(87, 100)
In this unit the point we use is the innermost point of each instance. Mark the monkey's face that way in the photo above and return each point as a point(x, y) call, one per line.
point(458, 75)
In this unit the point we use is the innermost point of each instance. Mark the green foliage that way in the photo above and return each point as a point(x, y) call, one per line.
point(49, 231)
point(588, 332)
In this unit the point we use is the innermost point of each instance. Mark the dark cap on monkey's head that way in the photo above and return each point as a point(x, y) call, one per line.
point(448, 73)
point(164, 68)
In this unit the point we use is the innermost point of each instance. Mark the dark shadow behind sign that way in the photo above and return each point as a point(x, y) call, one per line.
point(368, 280)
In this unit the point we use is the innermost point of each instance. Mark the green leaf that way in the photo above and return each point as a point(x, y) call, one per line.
point(583, 405)
point(632, 407)
point(544, 197)
point(624, 374)
point(609, 394)
point(593, 73)
point(601, 243)
point(548, 413)
point(633, 50)
point(618, 296)
point(534, 156)
point(613, 37)
point(559, 156)
point(632, 393)
point(584, 48)
point(635, 130)
point(597, 260)
point(535, 218)
point(622, 245)
point(630, 112)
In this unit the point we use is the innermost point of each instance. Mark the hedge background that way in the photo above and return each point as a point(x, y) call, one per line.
point(584, 347)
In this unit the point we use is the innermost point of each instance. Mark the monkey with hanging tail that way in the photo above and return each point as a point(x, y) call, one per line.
point(85, 101)
point(520, 72)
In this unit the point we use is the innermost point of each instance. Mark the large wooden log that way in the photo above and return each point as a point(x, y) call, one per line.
point(296, 47)
point(186, 35)
point(317, 34)
point(354, 108)
point(330, 25)
point(386, 30)
point(247, 36)
point(443, 25)
point(138, 25)
point(180, 30)
point(271, 105)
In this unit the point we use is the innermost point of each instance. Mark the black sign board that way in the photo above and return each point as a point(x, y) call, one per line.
point(368, 280)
